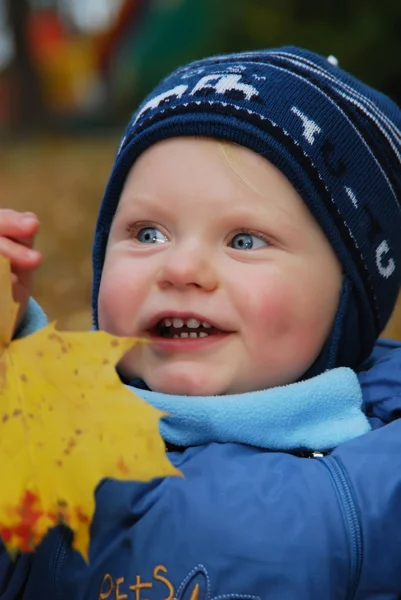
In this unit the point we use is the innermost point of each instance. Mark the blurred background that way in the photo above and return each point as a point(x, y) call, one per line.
point(72, 71)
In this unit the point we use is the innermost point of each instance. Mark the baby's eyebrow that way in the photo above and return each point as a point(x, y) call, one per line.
point(140, 202)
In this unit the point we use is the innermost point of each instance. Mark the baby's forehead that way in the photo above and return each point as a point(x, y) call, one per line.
point(204, 176)
point(170, 162)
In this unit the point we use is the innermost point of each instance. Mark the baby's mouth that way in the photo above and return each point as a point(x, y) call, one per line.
point(191, 328)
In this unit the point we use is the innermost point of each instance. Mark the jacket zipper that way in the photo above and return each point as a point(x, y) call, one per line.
point(347, 503)
point(59, 557)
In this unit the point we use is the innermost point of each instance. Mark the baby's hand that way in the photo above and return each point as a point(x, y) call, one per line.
point(17, 234)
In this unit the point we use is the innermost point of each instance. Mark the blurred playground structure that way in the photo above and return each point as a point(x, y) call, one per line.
point(68, 64)
point(79, 64)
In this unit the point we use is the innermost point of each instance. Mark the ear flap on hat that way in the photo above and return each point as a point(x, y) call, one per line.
point(343, 347)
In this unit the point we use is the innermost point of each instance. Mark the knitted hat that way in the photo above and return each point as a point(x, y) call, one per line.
point(336, 140)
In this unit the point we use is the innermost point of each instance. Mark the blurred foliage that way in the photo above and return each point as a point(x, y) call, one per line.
point(171, 33)
point(94, 79)
point(61, 180)
point(364, 35)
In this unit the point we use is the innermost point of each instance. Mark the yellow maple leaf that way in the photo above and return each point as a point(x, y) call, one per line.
point(66, 422)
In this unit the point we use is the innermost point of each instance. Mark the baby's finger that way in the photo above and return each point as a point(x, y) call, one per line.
point(25, 241)
point(15, 224)
point(19, 256)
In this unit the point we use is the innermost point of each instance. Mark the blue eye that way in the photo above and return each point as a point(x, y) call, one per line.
point(247, 241)
point(150, 235)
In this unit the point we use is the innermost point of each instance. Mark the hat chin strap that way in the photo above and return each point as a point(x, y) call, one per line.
point(343, 347)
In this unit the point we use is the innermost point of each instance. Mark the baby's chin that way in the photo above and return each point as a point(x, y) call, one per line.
point(184, 384)
point(177, 379)
point(186, 379)
point(185, 388)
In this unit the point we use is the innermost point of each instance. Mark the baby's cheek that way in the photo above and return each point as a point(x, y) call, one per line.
point(285, 325)
point(270, 309)
point(111, 303)
point(105, 312)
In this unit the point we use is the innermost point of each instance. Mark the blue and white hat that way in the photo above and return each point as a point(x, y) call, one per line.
point(336, 140)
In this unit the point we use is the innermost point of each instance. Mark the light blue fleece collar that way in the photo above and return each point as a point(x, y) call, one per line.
point(33, 319)
point(317, 414)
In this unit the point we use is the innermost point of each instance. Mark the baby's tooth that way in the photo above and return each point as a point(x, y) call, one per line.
point(193, 323)
point(206, 325)
point(177, 322)
point(203, 334)
point(167, 322)
point(184, 334)
point(193, 334)
point(176, 336)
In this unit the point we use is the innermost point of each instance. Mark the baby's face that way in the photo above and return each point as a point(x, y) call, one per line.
point(214, 257)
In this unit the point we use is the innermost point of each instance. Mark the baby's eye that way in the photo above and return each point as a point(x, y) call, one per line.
point(150, 235)
point(247, 241)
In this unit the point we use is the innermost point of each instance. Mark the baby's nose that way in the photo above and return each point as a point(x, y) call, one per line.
point(188, 266)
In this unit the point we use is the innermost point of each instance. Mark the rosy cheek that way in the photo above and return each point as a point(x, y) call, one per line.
point(270, 309)
point(123, 294)
point(112, 300)
point(106, 309)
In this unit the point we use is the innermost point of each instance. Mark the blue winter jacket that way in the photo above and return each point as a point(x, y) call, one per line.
point(253, 517)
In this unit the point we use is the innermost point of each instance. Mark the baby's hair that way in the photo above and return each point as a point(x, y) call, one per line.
point(225, 150)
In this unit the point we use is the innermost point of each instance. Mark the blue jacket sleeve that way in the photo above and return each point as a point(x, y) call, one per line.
point(372, 464)
point(13, 575)
point(380, 380)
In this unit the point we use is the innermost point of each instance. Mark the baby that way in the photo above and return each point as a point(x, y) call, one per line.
point(249, 229)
